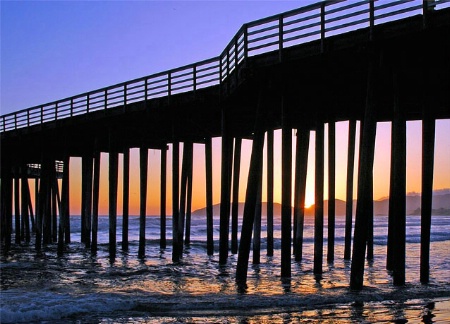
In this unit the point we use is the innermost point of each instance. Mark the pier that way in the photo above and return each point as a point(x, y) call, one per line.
point(297, 72)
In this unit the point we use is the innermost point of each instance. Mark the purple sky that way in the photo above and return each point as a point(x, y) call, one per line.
point(55, 49)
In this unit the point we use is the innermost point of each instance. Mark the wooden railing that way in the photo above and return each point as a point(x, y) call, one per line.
point(35, 169)
point(314, 22)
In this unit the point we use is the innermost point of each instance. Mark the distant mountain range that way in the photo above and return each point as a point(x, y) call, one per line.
point(441, 206)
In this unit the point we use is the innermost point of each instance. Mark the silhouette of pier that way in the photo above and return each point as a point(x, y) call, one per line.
point(332, 61)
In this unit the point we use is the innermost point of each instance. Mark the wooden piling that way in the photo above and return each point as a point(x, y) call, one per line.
point(183, 192)
point(87, 161)
point(301, 169)
point(286, 196)
point(55, 194)
point(162, 241)
point(175, 200)
point(113, 175)
point(63, 216)
point(235, 204)
point(36, 199)
point(318, 199)
point(47, 174)
point(30, 208)
point(331, 190)
point(428, 133)
point(125, 198)
point(257, 224)
point(366, 156)
point(209, 197)
point(24, 205)
point(95, 200)
point(187, 240)
point(270, 192)
point(42, 208)
point(256, 164)
point(7, 205)
point(399, 190)
point(225, 190)
point(370, 223)
point(391, 230)
point(143, 164)
point(17, 206)
point(349, 189)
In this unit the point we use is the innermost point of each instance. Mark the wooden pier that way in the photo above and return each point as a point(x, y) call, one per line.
point(297, 71)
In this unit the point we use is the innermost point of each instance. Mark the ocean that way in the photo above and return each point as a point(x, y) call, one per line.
point(81, 288)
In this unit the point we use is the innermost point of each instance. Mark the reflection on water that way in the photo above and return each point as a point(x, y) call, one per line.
point(79, 286)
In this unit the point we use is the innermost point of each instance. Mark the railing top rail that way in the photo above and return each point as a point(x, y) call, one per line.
point(248, 39)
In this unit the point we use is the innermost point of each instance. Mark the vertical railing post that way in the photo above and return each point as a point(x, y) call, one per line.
point(15, 121)
point(371, 18)
point(28, 119)
point(427, 7)
point(71, 107)
point(236, 52)
point(42, 114)
point(106, 98)
point(228, 62)
point(322, 27)
point(169, 86)
point(245, 41)
point(87, 103)
point(146, 90)
point(280, 38)
point(220, 69)
point(194, 78)
point(124, 96)
point(56, 111)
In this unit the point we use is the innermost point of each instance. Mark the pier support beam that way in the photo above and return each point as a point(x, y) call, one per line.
point(370, 223)
point(349, 189)
point(318, 218)
point(257, 224)
point(125, 198)
point(95, 201)
point(64, 215)
point(143, 163)
point(175, 201)
point(24, 205)
point(185, 204)
point(235, 204)
point(6, 205)
point(270, 192)
point(428, 133)
point(331, 189)
point(187, 239)
point(48, 172)
point(251, 196)
point(227, 146)
point(86, 216)
point(286, 195)
point(17, 206)
point(399, 189)
point(113, 175)
point(301, 169)
point(209, 197)
point(366, 156)
point(163, 194)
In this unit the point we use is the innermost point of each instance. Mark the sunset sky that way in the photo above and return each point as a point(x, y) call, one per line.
point(55, 49)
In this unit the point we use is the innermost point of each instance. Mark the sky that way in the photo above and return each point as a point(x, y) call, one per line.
point(55, 49)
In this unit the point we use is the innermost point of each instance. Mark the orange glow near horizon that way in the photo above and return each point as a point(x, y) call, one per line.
point(381, 170)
